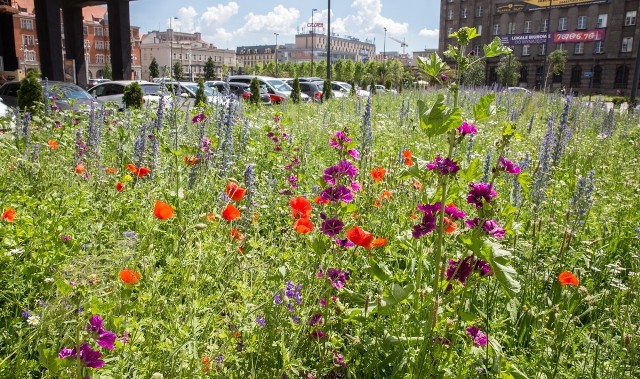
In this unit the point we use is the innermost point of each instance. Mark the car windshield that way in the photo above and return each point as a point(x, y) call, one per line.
point(151, 89)
point(279, 85)
point(346, 86)
point(194, 88)
point(69, 92)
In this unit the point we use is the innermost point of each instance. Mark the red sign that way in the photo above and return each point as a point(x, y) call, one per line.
point(579, 36)
point(315, 25)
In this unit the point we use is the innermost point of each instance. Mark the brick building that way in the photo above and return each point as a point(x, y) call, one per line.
point(600, 37)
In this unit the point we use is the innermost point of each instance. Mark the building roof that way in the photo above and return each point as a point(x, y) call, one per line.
point(89, 13)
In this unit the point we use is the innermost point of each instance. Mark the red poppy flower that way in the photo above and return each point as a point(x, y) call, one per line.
point(379, 242)
point(190, 161)
point(111, 170)
point(567, 278)
point(9, 215)
point(360, 237)
point(129, 276)
point(230, 213)
point(300, 207)
point(211, 217)
point(450, 226)
point(318, 200)
point(53, 144)
point(234, 191)
point(80, 168)
point(236, 235)
point(140, 172)
point(162, 210)
point(119, 186)
point(378, 174)
point(303, 225)
point(408, 158)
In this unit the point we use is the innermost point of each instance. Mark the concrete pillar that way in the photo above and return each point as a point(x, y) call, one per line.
point(49, 41)
point(74, 42)
point(120, 38)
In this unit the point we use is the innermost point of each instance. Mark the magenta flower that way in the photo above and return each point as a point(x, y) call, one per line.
point(331, 227)
point(426, 226)
point(316, 319)
point(342, 169)
point(90, 357)
point(483, 267)
point(479, 193)
point(337, 193)
point(508, 166)
point(344, 242)
point(452, 211)
point(355, 154)
point(339, 140)
point(443, 165)
point(198, 118)
point(460, 270)
point(479, 338)
point(105, 338)
point(467, 129)
point(493, 229)
point(337, 277)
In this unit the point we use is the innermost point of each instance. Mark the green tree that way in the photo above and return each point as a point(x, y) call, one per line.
point(107, 73)
point(201, 97)
point(255, 91)
point(508, 70)
point(358, 72)
point(178, 71)
point(209, 69)
point(295, 92)
point(326, 90)
point(348, 70)
point(556, 62)
point(475, 73)
point(30, 93)
point(154, 69)
point(338, 70)
point(132, 96)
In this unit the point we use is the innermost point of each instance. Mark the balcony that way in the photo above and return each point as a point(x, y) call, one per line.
point(8, 6)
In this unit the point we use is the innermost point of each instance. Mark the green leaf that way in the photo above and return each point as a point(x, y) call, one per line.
point(399, 293)
point(471, 172)
point(525, 180)
point(433, 66)
point(495, 49)
point(63, 287)
point(439, 119)
point(482, 109)
point(378, 271)
point(506, 275)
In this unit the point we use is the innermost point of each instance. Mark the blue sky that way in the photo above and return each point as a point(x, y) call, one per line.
point(228, 24)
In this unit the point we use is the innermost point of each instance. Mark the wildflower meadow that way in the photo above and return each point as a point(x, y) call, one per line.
point(444, 233)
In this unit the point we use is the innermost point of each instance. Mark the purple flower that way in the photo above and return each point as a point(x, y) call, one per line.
point(317, 334)
point(316, 319)
point(342, 169)
point(479, 338)
point(331, 227)
point(460, 270)
point(26, 313)
point(508, 166)
point(493, 229)
point(443, 165)
point(339, 140)
point(430, 208)
point(337, 193)
point(480, 192)
point(483, 267)
point(106, 339)
point(90, 357)
point(337, 277)
point(66, 352)
point(198, 118)
point(354, 154)
point(339, 359)
point(295, 319)
point(426, 226)
point(466, 129)
point(344, 242)
point(452, 211)
point(472, 222)
point(293, 291)
point(277, 298)
point(261, 321)
point(95, 324)
point(443, 77)
point(65, 238)
point(355, 186)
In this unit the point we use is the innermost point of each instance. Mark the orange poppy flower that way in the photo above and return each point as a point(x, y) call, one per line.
point(378, 174)
point(119, 186)
point(211, 217)
point(379, 242)
point(377, 203)
point(234, 191)
point(408, 157)
point(319, 200)
point(53, 144)
point(303, 225)
point(236, 235)
point(417, 185)
point(111, 170)
point(450, 226)
point(567, 278)
point(129, 276)
point(9, 215)
point(386, 195)
point(230, 213)
point(162, 210)
point(360, 237)
point(140, 172)
point(300, 207)
point(80, 168)
point(206, 363)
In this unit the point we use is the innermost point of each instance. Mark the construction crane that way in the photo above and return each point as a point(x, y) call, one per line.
point(402, 43)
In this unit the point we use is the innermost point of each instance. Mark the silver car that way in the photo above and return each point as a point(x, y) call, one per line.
point(113, 92)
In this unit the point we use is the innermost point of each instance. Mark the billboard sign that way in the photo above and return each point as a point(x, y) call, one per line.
point(524, 39)
point(535, 5)
point(579, 36)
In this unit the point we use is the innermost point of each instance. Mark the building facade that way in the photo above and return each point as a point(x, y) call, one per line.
point(97, 49)
point(169, 47)
point(600, 38)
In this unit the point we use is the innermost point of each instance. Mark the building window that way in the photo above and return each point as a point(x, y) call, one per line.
point(27, 40)
point(99, 58)
point(87, 58)
point(598, 47)
point(97, 30)
point(465, 13)
point(602, 21)
point(26, 24)
point(479, 29)
point(496, 29)
point(479, 11)
point(627, 44)
point(582, 22)
point(449, 32)
point(560, 46)
point(576, 76)
point(630, 18)
point(512, 28)
point(545, 25)
point(85, 30)
point(597, 74)
point(30, 56)
point(622, 76)
point(86, 44)
point(562, 23)
point(450, 14)
point(99, 45)
point(542, 49)
point(528, 26)
point(107, 45)
point(526, 50)
point(579, 48)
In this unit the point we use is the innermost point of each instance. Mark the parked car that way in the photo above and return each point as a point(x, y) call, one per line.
point(278, 90)
point(187, 91)
point(521, 90)
point(240, 90)
point(311, 89)
point(64, 95)
point(113, 91)
point(93, 82)
point(347, 87)
point(380, 89)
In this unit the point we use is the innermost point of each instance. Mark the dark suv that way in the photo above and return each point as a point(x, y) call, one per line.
point(311, 89)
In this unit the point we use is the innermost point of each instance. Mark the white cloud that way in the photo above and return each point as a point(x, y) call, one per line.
point(280, 20)
point(429, 33)
point(186, 20)
point(220, 13)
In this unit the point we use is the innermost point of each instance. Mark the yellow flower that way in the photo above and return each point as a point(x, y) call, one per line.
point(127, 178)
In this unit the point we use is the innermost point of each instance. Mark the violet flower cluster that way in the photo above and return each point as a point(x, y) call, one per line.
point(90, 357)
point(429, 220)
point(292, 294)
point(443, 165)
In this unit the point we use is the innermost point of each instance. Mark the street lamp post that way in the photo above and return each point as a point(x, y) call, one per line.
point(276, 53)
point(171, 47)
point(546, 49)
point(384, 46)
point(329, 40)
point(313, 27)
